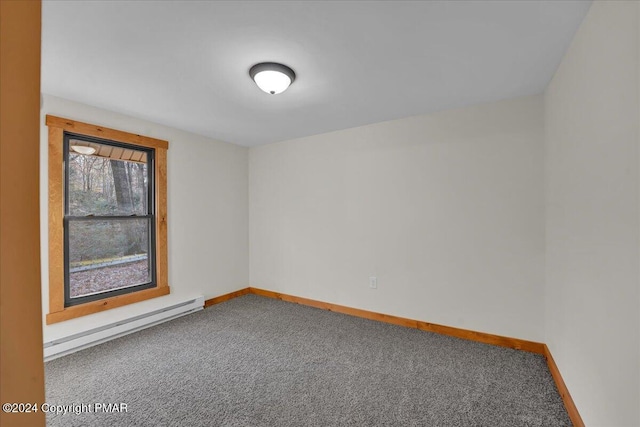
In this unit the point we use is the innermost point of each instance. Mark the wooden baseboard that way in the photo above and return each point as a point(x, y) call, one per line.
point(226, 297)
point(569, 405)
point(514, 343)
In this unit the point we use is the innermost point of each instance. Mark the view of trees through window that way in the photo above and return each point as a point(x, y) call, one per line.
point(108, 219)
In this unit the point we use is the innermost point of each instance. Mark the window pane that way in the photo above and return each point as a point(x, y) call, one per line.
point(108, 254)
point(111, 181)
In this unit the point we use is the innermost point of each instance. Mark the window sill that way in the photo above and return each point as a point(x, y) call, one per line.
point(105, 304)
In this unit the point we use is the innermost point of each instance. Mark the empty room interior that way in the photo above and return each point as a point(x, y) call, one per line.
point(321, 213)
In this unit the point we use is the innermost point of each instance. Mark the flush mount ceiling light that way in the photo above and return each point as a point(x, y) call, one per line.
point(83, 149)
point(272, 77)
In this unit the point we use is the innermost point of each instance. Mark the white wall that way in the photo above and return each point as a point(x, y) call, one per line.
point(449, 210)
point(592, 216)
point(207, 214)
point(446, 210)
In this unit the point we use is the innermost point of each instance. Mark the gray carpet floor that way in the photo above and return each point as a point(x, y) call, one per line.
point(255, 361)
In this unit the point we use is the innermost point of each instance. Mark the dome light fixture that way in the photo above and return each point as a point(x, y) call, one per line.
point(83, 149)
point(272, 77)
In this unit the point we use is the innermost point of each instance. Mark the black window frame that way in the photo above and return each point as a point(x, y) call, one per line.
point(150, 216)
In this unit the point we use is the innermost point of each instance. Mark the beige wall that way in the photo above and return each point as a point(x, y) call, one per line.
point(207, 214)
point(445, 209)
point(592, 216)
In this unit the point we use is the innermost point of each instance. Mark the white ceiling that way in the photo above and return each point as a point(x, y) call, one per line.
point(185, 64)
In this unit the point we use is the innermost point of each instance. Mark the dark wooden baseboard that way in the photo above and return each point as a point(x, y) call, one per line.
point(569, 405)
point(515, 343)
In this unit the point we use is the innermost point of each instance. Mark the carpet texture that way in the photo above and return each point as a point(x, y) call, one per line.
point(254, 361)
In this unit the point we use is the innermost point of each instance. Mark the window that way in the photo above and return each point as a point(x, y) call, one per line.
point(107, 219)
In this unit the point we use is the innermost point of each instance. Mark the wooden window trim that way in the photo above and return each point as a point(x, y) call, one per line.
point(57, 126)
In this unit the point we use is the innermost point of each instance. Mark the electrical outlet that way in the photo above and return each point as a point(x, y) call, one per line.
point(373, 282)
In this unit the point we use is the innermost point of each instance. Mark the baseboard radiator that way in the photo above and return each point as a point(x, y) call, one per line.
point(63, 346)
